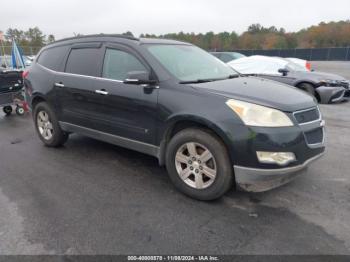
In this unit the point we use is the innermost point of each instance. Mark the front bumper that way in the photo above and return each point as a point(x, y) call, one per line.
point(331, 94)
point(306, 139)
point(259, 180)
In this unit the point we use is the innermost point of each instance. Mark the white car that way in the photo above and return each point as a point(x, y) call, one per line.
point(301, 62)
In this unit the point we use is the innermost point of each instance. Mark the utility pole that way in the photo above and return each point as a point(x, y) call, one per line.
point(3, 48)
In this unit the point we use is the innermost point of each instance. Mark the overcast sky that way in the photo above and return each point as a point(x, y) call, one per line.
point(65, 17)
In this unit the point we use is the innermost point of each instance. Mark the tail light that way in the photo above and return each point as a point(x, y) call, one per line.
point(308, 65)
point(27, 86)
point(25, 74)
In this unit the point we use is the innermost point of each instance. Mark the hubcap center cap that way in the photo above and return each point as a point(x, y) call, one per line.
point(195, 164)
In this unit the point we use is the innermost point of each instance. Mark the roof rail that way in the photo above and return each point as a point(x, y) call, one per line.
point(96, 35)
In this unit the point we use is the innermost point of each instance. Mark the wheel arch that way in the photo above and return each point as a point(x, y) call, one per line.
point(297, 84)
point(38, 98)
point(179, 123)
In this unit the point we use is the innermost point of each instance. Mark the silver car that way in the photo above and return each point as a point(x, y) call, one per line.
point(325, 87)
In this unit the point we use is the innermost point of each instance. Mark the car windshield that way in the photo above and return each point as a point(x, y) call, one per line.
point(189, 63)
point(238, 55)
point(295, 67)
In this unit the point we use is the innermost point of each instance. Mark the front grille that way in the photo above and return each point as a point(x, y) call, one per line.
point(306, 116)
point(344, 84)
point(314, 136)
point(347, 93)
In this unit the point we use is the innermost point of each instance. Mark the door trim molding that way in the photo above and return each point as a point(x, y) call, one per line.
point(142, 147)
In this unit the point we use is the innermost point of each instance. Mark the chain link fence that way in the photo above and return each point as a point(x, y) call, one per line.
point(311, 54)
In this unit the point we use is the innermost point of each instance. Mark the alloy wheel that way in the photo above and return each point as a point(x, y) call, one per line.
point(195, 165)
point(45, 126)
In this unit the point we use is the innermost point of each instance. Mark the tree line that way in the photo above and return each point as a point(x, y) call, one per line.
point(332, 34)
point(33, 39)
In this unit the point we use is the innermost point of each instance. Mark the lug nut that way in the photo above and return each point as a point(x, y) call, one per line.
point(193, 158)
point(201, 168)
point(196, 170)
point(190, 162)
point(191, 167)
point(199, 161)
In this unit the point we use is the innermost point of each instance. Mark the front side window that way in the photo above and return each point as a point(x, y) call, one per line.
point(84, 61)
point(117, 64)
point(190, 63)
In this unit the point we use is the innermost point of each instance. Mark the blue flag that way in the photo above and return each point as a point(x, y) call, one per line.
point(17, 57)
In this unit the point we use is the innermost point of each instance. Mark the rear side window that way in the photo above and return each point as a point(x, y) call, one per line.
point(52, 58)
point(117, 64)
point(84, 61)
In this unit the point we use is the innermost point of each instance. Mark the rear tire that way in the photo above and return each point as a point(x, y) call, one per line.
point(7, 110)
point(47, 126)
point(198, 164)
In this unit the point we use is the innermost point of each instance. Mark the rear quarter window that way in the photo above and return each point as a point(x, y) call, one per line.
point(52, 58)
point(84, 61)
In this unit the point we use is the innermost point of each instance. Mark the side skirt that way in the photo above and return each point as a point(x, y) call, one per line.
point(112, 139)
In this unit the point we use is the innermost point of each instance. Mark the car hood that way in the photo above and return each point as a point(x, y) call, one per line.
point(260, 91)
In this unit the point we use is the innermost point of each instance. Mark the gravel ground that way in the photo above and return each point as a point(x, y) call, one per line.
point(90, 197)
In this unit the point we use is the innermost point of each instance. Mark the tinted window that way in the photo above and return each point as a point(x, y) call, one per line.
point(218, 55)
point(52, 58)
point(226, 58)
point(84, 61)
point(118, 63)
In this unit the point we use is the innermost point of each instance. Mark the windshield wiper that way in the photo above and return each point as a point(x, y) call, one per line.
point(197, 81)
point(233, 76)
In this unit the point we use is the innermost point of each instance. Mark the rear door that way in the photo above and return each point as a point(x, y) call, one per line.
point(79, 104)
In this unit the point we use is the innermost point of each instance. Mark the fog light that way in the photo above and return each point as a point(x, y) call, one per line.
point(279, 158)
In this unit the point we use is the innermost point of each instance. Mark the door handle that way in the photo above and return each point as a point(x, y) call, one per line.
point(59, 84)
point(101, 92)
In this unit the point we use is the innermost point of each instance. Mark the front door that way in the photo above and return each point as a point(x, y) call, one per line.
point(129, 111)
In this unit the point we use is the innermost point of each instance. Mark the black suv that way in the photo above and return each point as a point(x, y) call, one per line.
point(211, 127)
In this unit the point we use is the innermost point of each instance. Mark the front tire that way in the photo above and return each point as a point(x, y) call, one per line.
point(47, 126)
point(198, 164)
point(308, 88)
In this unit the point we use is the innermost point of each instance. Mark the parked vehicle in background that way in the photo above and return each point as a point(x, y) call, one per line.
point(325, 87)
point(227, 56)
point(6, 61)
point(301, 62)
point(31, 57)
point(172, 100)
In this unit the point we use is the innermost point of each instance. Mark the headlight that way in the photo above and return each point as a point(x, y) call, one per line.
point(329, 82)
point(256, 115)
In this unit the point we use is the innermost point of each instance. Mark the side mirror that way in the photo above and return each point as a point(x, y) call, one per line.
point(139, 78)
point(283, 71)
